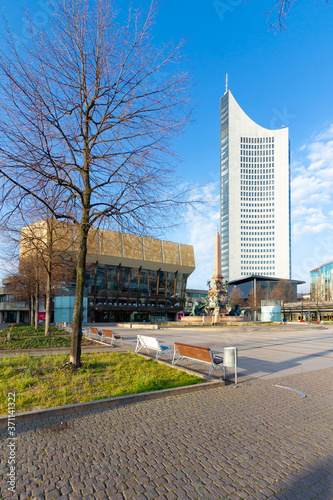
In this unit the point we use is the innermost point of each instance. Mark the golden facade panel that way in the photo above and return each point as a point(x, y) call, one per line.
point(152, 250)
point(187, 255)
point(170, 253)
point(132, 247)
point(110, 243)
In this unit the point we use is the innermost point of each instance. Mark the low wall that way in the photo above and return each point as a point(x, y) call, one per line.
point(145, 326)
point(211, 319)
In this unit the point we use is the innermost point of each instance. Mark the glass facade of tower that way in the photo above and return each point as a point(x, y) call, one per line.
point(224, 186)
point(257, 205)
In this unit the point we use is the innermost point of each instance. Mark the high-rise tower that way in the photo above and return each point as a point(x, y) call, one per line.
point(255, 196)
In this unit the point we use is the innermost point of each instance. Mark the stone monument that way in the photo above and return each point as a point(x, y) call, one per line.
point(217, 292)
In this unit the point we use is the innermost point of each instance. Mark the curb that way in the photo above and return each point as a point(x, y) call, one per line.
point(109, 403)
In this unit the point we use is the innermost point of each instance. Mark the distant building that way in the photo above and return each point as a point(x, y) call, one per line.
point(321, 283)
point(12, 310)
point(267, 284)
point(255, 196)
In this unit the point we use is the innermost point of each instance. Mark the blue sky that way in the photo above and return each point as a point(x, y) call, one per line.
point(278, 79)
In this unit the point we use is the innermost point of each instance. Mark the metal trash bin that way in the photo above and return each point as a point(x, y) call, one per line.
point(230, 355)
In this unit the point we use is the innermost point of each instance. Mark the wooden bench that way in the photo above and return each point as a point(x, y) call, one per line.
point(197, 353)
point(152, 344)
point(110, 335)
point(92, 333)
point(95, 331)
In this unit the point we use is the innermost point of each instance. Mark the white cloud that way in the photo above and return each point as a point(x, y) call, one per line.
point(312, 187)
point(312, 205)
point(326, 134)
point(321, 155)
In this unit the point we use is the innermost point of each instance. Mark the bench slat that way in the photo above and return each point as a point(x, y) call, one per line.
point(196, 352)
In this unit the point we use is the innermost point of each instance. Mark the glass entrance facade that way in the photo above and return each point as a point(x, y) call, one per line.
point(120, 293)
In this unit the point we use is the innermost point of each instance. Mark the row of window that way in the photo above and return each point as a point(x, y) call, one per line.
point(267, 153)
point(254, 268)
point(259, 273)
point(266, 173)
point(264, 213)
point(257, 140)
point(252, 227)
point(258, 205)
point(257, 264)
point(258, 252)
point(263, 233)
point(257, 239)
point(257, 187)
point(260, 197)
point(260, 257)
point(255, 150)
point(257, 244)
point(257, 162)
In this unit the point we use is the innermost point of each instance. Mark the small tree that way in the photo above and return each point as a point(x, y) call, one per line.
point(254, 300)
point(283, 291)
point(236, 297)
point(88, 111)
point(23, 285)
point(317, 297)
point(48, 243)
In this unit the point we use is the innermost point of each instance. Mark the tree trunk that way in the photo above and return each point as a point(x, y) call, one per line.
point(31, 308)
point(36, 306)
point(48, 301)
point(76, 335)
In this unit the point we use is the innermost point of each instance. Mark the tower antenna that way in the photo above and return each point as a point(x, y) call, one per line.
point(226, 83)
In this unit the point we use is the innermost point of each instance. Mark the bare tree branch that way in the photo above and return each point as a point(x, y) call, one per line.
point(88, 113)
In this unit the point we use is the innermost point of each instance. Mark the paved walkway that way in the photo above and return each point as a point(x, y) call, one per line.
point(256, 441)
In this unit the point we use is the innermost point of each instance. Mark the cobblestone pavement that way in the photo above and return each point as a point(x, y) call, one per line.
point(255, 441)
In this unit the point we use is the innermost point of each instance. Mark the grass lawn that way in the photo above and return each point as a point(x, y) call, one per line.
point(47, 381)
point(26, 337)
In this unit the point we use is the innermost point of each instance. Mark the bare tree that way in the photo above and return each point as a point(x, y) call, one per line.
point(46, 243)
point(254, 299)
point(236, 297)
point(88, 110)
point(283, 291)
point(22, 285)
point(317, 297)
point(45, 253)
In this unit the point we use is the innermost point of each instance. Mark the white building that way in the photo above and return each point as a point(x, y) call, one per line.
point(255, 196)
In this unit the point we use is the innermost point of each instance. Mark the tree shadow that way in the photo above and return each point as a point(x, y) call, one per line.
point(252, 366)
